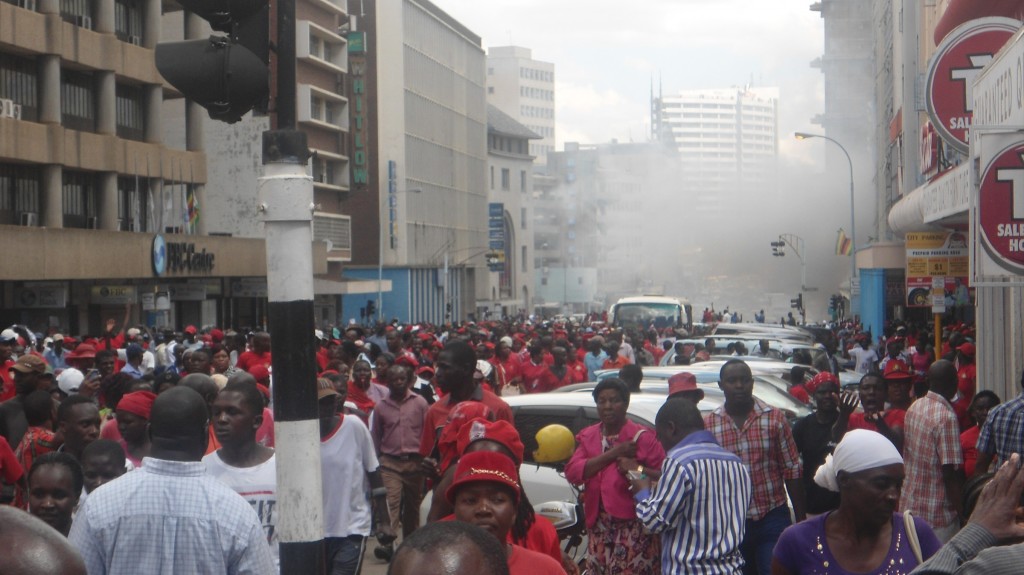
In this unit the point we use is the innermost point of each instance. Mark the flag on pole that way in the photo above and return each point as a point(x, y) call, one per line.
point(844, 246)
point(193, 209)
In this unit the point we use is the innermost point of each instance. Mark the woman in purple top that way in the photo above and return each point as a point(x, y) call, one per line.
point(865, 535)
point(605, 453)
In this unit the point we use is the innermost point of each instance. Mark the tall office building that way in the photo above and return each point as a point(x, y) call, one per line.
point(524, 88)
point(727, 140)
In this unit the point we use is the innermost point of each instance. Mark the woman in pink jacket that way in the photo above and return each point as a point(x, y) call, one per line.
point(606, 452)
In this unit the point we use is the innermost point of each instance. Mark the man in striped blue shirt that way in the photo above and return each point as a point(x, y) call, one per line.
point(700, 504)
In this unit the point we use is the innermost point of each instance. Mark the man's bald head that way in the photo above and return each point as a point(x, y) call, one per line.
point(30, 547)
point(942, 378)
point(178, 425)
point(201, 384)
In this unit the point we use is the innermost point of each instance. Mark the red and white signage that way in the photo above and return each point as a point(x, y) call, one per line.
point(957, 61)
point(1001, 208)
point(929, 149)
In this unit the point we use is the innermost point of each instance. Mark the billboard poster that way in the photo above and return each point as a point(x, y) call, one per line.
point(933, 255)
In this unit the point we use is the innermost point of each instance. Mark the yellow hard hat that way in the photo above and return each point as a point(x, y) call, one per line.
point(555, 444)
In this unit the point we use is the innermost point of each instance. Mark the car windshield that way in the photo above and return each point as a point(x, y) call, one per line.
point(662, 315)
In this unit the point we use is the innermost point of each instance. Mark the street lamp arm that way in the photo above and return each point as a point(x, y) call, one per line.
point(853, 215)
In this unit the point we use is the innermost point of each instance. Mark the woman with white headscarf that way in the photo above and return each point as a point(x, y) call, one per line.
point(865, 535)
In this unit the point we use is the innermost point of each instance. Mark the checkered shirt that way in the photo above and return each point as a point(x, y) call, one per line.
point(766, 446)
point(170, 518)
point(1001, 435)
point(932, 440)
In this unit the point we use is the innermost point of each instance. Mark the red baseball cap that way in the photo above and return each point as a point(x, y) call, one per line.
point(897, 370)
point(190, 329)
point(967, 349)
point(684, 381)
point(460, 415)
point(817, 380)
point(485, 466)
point(260, 372)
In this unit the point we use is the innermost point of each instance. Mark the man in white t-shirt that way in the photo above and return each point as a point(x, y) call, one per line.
point(241, 463)
point(351, 474)
point(864, 357)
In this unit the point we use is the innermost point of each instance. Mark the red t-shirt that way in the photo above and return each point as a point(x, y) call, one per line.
point(969, 445)
point(437, 416)
point(892, 417)
point(8, 381)
point(549, 381)
point(525, 562)
point(532, 374)
point(618, 362)
point(10, 469)
point(541, 538)
point(251, 358)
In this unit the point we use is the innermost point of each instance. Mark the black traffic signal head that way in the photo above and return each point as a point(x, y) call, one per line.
point(227, 75)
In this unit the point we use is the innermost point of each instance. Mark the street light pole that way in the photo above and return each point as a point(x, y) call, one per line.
point(853, 217)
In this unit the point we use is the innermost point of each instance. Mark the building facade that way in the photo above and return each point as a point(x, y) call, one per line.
point(727, 141)
point(418, 114)
point(524, 88)
point(507, 288)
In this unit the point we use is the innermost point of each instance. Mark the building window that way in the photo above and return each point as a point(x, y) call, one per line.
point(78, 194)
point(77, 12)
point(492, 177)
point(543, 281)
point(77, 101)
point(490, 89)
point(128, 21)
point(20, 186)
point(522, 259)
point(133, 204)
point(19, 83)
point(130, 112)
point(522, 180)
point(522, 218)
point(504, 179)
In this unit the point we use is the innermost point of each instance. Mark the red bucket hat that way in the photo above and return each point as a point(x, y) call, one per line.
point(499, 431)
point(485, 466)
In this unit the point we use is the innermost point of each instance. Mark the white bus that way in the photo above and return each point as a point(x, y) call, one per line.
point(647, 310)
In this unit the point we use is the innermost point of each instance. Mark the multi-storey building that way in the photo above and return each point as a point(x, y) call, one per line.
point(727, 140)
point(507, 288)
point(416, 89)
point(524, 88)
point(90, 184)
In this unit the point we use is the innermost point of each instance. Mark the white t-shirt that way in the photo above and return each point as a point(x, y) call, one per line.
point(863, 358)
point(346, 456)
point(257, 485)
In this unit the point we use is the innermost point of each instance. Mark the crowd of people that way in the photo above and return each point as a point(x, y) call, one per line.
point(153, 451)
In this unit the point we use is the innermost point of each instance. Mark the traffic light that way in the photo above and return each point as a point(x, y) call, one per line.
point(227, 75)
point(371, 309)
point(798, 302)
point(779, 249)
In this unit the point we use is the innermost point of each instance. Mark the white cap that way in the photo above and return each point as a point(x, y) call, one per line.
point(8, 335)
point(133, 332)
point(318, 333)
point(507, 341)
point(484, 367)
point(70, 380)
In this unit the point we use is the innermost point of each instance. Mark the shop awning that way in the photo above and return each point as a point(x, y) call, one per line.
point(345, 286)
point(960, 11)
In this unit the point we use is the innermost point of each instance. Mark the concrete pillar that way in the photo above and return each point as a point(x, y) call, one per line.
point(154, 99)
point(103, 16)
point(194, 113)
point(51, 208)
point(150, 23)
point(156, 196)
point(48, 6)
point(998, 313)
point(49, 89)
point(106, 103)
point(107, 203)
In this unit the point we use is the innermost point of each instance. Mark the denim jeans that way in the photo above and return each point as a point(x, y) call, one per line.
point(760, 539)
point(344, 555)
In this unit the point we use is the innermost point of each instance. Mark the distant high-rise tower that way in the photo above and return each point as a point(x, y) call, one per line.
point(727, 141)
point(524, 88)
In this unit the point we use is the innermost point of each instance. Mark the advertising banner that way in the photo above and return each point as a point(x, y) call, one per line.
point(932, 255)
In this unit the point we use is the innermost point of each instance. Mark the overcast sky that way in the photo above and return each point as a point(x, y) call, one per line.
point(606, 57)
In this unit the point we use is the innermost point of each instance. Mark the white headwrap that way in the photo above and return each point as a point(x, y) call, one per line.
point(860, 449)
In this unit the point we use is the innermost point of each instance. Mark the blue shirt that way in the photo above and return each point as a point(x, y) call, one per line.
point(699, 506)
point(594, 363)
point(170, 518)
point(1001, 435)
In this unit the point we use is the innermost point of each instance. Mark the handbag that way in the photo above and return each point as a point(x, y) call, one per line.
point(911, 528)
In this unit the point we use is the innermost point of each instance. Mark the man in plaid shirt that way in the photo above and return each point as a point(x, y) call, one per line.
point(760, 435)
point(932, 455)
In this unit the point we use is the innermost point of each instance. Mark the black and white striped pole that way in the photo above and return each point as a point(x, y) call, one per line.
point(286, 203)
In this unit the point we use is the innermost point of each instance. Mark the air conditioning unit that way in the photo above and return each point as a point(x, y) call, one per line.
point(8, 109)
point(134, 40)
point(92, 223)
point(27, 4)
point(84, 22)
point(29, 219)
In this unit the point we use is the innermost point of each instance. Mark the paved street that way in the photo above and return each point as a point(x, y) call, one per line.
point(372, 565)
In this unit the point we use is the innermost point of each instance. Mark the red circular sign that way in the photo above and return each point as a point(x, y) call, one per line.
point(1001, 208)
point(956, 62)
